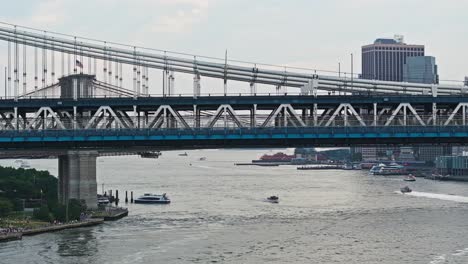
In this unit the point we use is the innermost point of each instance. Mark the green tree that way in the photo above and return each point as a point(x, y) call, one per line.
point(75, 208)
point(5, 207)
point(43, 214)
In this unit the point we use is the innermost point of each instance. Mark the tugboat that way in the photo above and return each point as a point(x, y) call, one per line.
point(273, 199)
point(406, 189)
point(153, 199)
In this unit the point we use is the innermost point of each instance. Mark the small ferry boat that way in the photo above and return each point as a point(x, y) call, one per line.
point(103, 200)
point(153, 199)
point(376, 168)
point(392, 169)
point(405, 189)
point(273, 199)
point(410, 178)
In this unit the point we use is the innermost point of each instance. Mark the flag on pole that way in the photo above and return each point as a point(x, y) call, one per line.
point(79, 64)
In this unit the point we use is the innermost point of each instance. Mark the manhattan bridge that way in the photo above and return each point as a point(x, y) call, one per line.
point(78, 98)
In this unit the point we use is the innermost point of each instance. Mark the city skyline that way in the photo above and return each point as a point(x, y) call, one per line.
point(288, 31)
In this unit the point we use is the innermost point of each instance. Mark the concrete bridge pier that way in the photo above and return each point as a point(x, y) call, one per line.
point(77, 177)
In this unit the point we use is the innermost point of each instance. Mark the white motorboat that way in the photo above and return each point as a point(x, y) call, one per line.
point(410, 178)
point(153, 199)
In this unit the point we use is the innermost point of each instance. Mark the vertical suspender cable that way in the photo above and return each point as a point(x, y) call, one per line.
point(116, 73)
point(146, 80)
point(74, 58)
point(45, 60)
point(62, 55)
point(134, 71)
point(24, 68)
point(110, 67)
point(68, 63)
point(95, 66)
point(44, 71)
point(9, 69)
point(138, 77)
point(15, 92)
point(89, 62)
point(120, 77)
point(81, 60)
point(52, 60)
point(35, 70)
point(5, 76)
point(104, 63)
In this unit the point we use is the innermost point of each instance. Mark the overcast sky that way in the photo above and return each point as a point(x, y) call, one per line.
point(307, 33)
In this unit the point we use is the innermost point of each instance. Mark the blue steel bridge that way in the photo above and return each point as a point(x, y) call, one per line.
point(79, 98)
point(230, 121)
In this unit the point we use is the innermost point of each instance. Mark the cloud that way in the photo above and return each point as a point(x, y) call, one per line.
point(182, 15)
point(47, 14)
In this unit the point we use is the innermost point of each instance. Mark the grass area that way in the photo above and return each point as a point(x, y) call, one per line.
point(21, 220)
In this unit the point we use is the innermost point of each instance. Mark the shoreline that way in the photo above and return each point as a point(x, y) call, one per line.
point(52, 228)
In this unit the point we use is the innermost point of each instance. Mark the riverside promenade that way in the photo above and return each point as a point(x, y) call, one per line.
point(4, 237)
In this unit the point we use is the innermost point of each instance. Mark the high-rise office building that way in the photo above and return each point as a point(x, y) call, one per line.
point(384, 59)
point(394, 60)
point(421, 69)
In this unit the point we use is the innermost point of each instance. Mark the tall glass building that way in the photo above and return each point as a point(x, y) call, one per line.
point(384, 59)
point(422, 69)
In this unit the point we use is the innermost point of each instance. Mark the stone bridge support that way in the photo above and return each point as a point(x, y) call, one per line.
point(77, 177)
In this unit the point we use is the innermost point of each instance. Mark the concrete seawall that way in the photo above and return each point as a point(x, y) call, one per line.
point(53, 228)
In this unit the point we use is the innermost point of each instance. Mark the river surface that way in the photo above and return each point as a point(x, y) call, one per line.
point(218, 215)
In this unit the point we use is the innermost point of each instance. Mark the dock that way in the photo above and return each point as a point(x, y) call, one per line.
point(260, 164)
point(320, 168)
point(10, 237)
point(58, 227)
point(111, 213)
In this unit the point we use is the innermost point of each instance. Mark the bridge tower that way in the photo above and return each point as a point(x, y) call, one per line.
point(77, 177)
point(77, 86)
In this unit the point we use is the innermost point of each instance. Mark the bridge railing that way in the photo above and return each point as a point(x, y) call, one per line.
point(209, 119)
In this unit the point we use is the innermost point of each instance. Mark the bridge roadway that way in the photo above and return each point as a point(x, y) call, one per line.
point(187, 102)
point(230, 121)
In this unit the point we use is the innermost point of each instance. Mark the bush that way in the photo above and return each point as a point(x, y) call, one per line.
point(75, 208)
point(5, 207)
point(43, 214)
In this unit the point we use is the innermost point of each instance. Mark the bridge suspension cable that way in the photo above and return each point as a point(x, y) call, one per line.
point(142, 60)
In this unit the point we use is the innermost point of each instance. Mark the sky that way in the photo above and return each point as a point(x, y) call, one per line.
point(316, 34)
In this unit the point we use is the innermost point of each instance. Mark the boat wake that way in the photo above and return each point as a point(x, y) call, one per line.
point(446, 197)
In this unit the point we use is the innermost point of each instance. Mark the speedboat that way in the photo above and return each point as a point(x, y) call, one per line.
point(405, 189)
point(273, 199)
point(410, 178)
point(153, 199)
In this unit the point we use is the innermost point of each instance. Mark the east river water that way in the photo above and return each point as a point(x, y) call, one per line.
point(218, 215)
